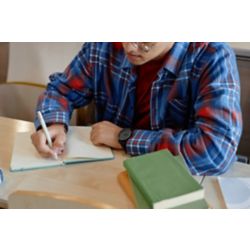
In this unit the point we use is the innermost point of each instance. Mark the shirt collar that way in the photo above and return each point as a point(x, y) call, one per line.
point(175, 58)
point(125, 62)
point(173, 61)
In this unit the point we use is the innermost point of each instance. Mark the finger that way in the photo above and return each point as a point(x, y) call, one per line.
point(96, 140)
point(59, 143)
point(107, 123)
point(92, 133)
point(95, 135)
point(96, 143)
point(93, 138)
point(43, 148)
point(45, 151)
point(97, 125)
point(39, 141)
point(95, 132)
point(50, 154)
point(94, 125)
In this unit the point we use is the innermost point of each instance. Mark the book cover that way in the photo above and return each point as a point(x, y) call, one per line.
point(124, 182)
point(141, 202)
point(161, 180)
point(79, 148)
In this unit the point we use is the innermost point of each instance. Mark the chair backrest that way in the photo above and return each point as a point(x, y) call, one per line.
point(24, 71)
point(18, 100)
point(30, 199)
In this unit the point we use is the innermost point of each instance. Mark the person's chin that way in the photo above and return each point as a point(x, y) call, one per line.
point(136, 60)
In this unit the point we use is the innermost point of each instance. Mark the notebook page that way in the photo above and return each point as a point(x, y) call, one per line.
point(79, 145)
point(25, 156)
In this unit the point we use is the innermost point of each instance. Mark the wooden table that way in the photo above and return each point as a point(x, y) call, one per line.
point(213, 193)
point(96, 180)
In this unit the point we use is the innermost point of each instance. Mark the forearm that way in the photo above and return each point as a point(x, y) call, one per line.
point(209, 141)
point(205, 153)
point(68, 90)
point(50, 103)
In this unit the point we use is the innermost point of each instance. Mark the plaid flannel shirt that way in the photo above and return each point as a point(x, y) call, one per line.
point(194, 106)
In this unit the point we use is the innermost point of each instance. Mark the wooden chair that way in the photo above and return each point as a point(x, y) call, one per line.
point(24, 71)
point(18, 99)
point(23, 199)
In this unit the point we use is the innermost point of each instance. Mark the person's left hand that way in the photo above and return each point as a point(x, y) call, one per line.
point(106, 133)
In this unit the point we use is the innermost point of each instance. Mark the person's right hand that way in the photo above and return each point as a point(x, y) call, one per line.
point(58, 137)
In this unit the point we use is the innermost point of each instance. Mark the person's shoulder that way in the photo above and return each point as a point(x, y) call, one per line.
point(95, 51)
point(210, 48)
point(103, 49)
point(97, 46)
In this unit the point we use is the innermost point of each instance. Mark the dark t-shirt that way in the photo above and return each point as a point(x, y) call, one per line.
point(147, 74)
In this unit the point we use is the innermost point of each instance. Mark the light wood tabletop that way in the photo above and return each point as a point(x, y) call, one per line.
point(213, 193)
point(95, 181)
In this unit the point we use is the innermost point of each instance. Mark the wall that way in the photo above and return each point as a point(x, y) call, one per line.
point(34, 62)
point(241, 49)
point(242, 45)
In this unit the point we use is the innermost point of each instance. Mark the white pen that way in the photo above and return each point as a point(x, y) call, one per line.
point(45, 129)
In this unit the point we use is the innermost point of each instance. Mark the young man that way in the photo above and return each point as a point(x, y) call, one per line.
point(184, 97)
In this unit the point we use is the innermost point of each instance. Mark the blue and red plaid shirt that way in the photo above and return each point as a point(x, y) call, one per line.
point(194, 105)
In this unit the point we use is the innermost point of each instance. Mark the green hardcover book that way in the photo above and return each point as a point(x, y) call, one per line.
point(161, 180)
point(141, 202)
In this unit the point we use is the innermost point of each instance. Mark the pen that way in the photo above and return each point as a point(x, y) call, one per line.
point(45, 129)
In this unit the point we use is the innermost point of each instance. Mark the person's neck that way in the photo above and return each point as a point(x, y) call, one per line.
point(164, 52)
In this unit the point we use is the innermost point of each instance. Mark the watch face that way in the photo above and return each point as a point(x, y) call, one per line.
point(125, 134)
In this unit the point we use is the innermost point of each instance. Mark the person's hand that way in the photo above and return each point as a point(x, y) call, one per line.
point(58, 137)
point(106, 133)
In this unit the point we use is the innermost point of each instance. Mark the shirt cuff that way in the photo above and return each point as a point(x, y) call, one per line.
point(142, 142)
point(54, 118)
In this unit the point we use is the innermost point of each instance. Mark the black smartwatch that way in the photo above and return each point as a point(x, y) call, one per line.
point(123, 137)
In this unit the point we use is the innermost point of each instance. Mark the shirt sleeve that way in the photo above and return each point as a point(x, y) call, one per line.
point(209, 146)
point(68, 90)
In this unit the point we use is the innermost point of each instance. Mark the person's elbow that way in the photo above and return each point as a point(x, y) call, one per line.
point(216, 158)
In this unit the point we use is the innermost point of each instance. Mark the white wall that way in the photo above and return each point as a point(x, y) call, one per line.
point(241, 49)
point(34, 62)
point(241, 45)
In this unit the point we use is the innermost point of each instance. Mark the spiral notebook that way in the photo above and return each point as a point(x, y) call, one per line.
point(79, 148)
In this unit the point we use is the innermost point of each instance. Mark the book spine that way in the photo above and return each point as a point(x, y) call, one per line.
point(138, 184)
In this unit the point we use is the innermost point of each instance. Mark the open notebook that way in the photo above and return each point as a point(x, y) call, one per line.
point(79, 148)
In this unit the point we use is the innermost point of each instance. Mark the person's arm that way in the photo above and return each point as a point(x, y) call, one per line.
point(208, 147)
point(67, 91)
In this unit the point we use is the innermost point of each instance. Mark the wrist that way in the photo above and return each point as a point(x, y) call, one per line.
point(124, 136)
point(60, 126)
